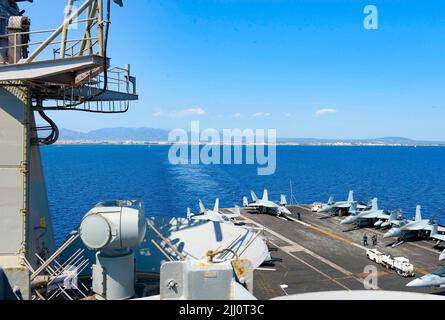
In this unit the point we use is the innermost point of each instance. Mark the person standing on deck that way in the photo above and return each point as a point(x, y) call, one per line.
point(374, 240)
point(365, 240)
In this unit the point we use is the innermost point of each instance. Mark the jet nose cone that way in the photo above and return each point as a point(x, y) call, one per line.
point(415, 283)
point(388, 235)
point(429, 280)
point(287, 212)
point(442, 256)
point(392, 233)
point(345, 221)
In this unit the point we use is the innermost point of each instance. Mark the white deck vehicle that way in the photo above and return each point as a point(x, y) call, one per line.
point(399, 264)
point(316, 207)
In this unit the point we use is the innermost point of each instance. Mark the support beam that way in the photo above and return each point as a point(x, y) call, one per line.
point(65, 28)
point(58, 31)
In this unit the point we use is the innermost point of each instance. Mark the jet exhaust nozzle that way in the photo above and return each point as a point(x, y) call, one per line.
point(347, 221)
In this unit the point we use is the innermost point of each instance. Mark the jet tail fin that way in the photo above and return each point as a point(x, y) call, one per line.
point(393, 216)
point(418, 213)
point(254, 197)
point(245, 202)
point(202, 208)
point(237, 212)
point(351, 196)
point(353, 208)
point(435, 230)
point(189, 213)
point(331, 200)
point(216, 208)
point(283, 201)
point(433, 218)
point(266, 195)
point(375, 204)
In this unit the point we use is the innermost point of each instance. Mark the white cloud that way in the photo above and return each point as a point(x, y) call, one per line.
point(182, 113)
point(322, 112)
point(192, 112)
point(261, 114)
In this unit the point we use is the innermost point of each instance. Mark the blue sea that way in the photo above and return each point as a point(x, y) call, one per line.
point(78, 177)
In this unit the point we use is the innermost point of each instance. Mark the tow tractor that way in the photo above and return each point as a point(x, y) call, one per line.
point(401, 265)
point(316, 207)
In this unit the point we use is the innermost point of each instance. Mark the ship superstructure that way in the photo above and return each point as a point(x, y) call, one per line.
point(66, 68)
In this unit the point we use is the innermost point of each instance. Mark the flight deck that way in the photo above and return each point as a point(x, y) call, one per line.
point(317, 253)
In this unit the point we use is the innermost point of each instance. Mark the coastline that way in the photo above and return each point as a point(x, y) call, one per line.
point(280, 144)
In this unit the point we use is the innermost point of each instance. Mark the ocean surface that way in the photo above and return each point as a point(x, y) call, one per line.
point(78, 177)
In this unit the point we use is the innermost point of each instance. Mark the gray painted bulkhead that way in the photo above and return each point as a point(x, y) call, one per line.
point(25, 222)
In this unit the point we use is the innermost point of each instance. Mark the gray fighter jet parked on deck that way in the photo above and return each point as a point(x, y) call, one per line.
point(333, 206)
point(213, 215)
point(406, 229)
point(265, 205)
point(439, 237)
point(435, 279)
point(365, 216)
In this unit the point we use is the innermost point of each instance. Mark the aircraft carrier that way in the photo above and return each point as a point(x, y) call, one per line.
point(315, 254)
point(68, 69)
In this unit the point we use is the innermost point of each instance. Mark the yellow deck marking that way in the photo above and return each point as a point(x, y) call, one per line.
point(331, 234)
point(421, 271)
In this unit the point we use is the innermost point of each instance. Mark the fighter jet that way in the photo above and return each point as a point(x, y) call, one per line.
point(405, 229)
point(333, 206)
point(213, 215)
point(324, 207)
point(266, 206)
point(365, 216)
point(435, 279)
point(391, 219)
point(439, 237)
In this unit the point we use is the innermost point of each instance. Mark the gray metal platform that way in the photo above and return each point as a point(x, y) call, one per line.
point(317, 255)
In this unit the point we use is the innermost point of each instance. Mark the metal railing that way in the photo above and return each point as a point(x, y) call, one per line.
point(87, 20)
point(100, 89)
point(118, 81)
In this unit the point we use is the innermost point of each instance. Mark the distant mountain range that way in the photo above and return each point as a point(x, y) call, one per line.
point(161, 135)
point(376, 141)
point(116, 134)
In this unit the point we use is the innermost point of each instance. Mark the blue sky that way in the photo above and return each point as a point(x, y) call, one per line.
point(274, 64)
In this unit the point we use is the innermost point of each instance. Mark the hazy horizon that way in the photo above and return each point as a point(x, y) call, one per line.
point(278, 137)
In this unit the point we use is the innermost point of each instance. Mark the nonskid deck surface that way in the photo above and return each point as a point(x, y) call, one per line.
point(317, 255)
